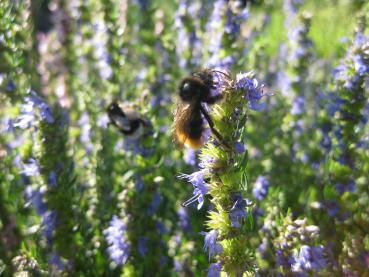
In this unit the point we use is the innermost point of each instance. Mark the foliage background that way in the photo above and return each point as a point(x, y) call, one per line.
point(66, 173)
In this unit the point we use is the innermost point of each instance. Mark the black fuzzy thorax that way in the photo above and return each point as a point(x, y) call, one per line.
point(115, 113)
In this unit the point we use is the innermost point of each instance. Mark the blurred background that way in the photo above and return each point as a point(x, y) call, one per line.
point(78, 198)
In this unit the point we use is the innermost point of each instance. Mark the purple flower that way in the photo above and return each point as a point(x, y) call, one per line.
point(7, 125)
point(263, 247)
point(10, 86)
point(349, 186)
point(31, 168)
point(155, 202)
point(361, 67)
point(326, 143)
point(215, 31)
point(48, 224)
point(364, 258)
point(119, 248)
point(27, 116)
point(190, 156)
point(55, 260)
point(234, 21)
point(283, 260)
point(292, 6)
point(261, 188)
point(338, 133)
point(239, 147)
point(184, 220)
point(178, 266)
point(214, 26)
point(34, 99)
point(231, 27)
point(142, 246)
point(300, 44)
point(35, 197)
point(207, 162)
point(103, 121)
point(360, 39)
point(139, 184)
point(214, 270)
point(310, 258)
point(350, 72)
point(210, 243)
point(224, 63)
point(238, 212)
point(53, 179)
point(340, 71)
point(244, 81)
point(252, 89)
point(200, 187)
point(102, 56)
point(189, 46)
point(160, 226)
point(46, 113)
point(332, 207)
point(284, 82)
point(85, 137)
point(134, 145)
point(25, 120)
point(298, 105)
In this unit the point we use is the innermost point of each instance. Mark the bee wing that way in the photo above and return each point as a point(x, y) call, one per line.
point(122, 122)
point(182, 115)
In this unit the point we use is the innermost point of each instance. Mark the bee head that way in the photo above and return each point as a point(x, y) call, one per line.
point(191, 89)
point(114, 109)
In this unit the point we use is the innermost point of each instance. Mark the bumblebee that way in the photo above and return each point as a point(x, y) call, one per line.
point(127, 120)
point(195, 91)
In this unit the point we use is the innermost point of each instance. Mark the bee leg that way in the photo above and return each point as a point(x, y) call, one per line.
point(214, 99)
point(221, 72)
point(212, 128)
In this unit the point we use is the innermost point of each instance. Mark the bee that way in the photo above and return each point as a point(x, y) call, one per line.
point(194, 92)
point(127, 120)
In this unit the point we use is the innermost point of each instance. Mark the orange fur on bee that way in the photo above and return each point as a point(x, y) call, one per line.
point(192, 143)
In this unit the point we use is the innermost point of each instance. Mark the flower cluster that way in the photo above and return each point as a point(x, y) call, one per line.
point(280, 186)
point(253, 90)
point(46, 171)
point(28, 115)
point(296, 248)
point(223, 28)
point(35, 196)
point(232, 213)
point(187, 25)
point(261, 187)
point(119, 247)
point(350, 100)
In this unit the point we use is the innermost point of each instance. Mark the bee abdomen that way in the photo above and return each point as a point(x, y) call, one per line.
point(192, 133)
point(195, 128)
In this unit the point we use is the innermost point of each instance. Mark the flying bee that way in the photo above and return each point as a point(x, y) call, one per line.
point(194, 92)
point(127, 120)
